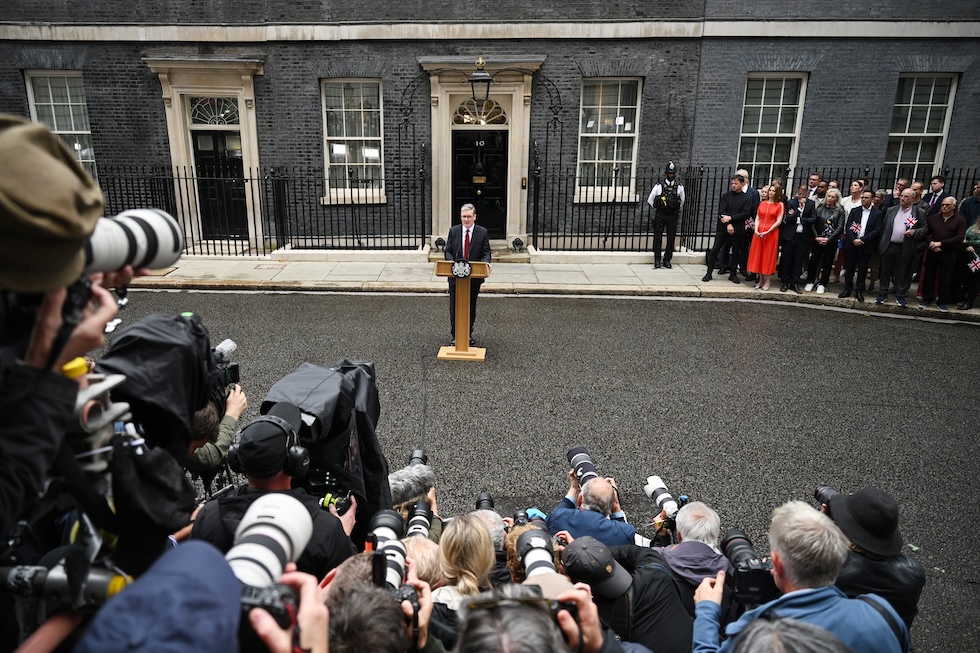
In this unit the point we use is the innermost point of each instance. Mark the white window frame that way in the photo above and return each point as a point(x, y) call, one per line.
point(921, 170)
point(591, 193)
point(337, 194)
point(794, 136)
point(68, 136)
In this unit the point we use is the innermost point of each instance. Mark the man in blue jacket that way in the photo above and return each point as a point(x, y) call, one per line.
point(593, 510)
point(808, 550)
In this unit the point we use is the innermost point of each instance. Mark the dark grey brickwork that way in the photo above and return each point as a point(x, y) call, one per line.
point(331, 11)
point(850, 92)
point(845, 9)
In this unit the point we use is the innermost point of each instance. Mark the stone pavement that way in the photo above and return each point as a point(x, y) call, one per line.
point(568, 275)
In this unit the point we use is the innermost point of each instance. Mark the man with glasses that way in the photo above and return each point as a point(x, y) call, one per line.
point(945, 232)
point(902, 228)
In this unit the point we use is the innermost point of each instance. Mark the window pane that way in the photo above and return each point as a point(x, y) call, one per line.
point(904, 93)
point(45, 115)
point(62, 118)
point(791, 90)
point(59, 90)
point(773, 92)
point(753, 91)
point(746, 151)
point(42, 92)
point(628, 97)
point(590, 122)
point(750, 120)
point(900, 119)
point(941, 91)
point(928, 149)
point(787, 120)
point(770, 120)
point(917, 120)
point(923, 91)
point(590, 94)
point(937, 116)
point(782, 149)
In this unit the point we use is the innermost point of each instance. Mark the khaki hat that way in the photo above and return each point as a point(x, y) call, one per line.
point(48, 208)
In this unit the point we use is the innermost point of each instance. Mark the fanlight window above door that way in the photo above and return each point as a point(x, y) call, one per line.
point(479, 112)
point(214, 111)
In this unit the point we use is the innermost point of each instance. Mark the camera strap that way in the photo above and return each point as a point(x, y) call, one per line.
point(889, 619)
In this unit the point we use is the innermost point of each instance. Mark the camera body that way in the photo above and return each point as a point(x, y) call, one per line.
point(754, 584)
point(281, 601)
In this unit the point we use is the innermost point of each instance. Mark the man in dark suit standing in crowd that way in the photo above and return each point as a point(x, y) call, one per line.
point(860, 237)
point(469, 241)
point(734, 208)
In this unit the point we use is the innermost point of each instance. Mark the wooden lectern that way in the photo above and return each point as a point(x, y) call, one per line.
point(464, 271)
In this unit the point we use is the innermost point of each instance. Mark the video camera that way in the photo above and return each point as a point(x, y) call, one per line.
point(754, 584)
point(274, 531)
point(229, 371)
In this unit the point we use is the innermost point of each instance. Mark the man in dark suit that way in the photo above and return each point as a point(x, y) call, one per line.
point(937, 193)
point(860, 237)
point(734, 209)
point(469, 241)
point(794, 237)
point(902, 227)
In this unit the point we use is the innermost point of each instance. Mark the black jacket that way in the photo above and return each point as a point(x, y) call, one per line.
point(328, 547)
point(740, 206)
point(651, 612)
point(899, 580)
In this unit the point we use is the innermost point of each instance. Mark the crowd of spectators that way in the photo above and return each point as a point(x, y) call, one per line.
point(579, 577)
point(868, 239)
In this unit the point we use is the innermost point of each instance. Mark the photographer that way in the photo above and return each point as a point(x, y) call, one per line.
point(696, 555)
point(411, 484)
point(218, 436)
point(875, 563)
point(807, 553)
point(49, 207)
point(634, 591)
point(592, 509)
point(541, 555)
point(269, 457)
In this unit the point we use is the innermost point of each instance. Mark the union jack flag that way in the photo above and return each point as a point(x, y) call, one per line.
point(829, 229)
point(856, 228)
point(909, 222)
point(749, 223)
point(974, 265)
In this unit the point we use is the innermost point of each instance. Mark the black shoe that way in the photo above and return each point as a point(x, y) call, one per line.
point(734, 278)
point(656, 264)
point(751, 276)
point(859, 296)
point(844, 295)
point(795, 288)
point(472, 342)
point(707, 277)
point(667, 264)
point(452, 343)
point(871, 286)
point(724, 270)
point(965, 306)
point(784, 287)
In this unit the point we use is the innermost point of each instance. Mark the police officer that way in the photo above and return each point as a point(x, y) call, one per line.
point(667, 200)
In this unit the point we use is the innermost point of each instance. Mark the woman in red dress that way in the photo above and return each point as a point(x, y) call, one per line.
point(765, 244)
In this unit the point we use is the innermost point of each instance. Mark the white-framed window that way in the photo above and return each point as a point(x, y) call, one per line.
point(772, 113)
point(920, 122)
point(607, 140)
point(353, 136)
point(57, 100)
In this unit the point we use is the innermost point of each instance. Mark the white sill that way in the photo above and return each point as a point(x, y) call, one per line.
point(342, 197)
point(604, 195)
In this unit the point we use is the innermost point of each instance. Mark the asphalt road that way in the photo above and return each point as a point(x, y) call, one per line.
point(742, 405)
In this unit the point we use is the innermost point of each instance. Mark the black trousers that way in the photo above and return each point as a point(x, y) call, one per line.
point(791, 261)
point(474, 293)
point(659, 222)
point(723, 238)
point(822, 261)
point(939, 264)
point(856, 260)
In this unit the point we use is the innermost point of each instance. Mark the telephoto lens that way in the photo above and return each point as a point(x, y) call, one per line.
point(418, 457)
point(419, 519)
point(656, 489)
point(386, 525)
point(581, 462)
point(143, 238)
point(275, 530)
point(395, 554)
point(484, 501)
point(520, 517)
point(536, 552)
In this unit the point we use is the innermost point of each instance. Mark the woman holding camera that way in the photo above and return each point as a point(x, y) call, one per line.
point(466, 557)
